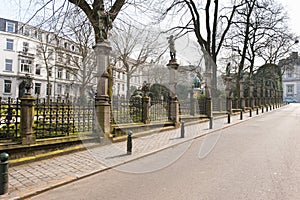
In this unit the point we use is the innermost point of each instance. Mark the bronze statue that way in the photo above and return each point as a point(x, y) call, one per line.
point(172, 47)
point(104, 24)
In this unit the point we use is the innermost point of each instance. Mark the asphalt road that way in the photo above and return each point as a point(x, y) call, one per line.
point(256, 159)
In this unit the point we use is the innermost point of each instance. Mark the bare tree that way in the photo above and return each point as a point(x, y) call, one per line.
point(133, 46)
point(209, 23)
point(46, 52)
point(79, 29)
point(259, 31)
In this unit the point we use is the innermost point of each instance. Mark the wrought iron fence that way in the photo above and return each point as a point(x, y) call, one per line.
point(202, 106)
point(184, 107)
point(9, 119)
point(51, 119)
point(62, 118)
point(126, 111)
point(159, 110)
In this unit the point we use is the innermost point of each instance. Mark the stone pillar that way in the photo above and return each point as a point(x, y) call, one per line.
point(102, 52)
point(173, 66)
point(193, 104)
point(209, 110)
point(242, 103)
point(228, 95)
point(263, 95)
point(27, 118)
point(102, 102)
point(251, 89)
point(174, 104)
point(174, 111)
point(102, 105)
point(258, 95)
point(146, 110)
point(268, 96)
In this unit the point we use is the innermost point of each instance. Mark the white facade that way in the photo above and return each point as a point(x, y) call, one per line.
point(26, 50)
point(291, 76)
point(120, 79)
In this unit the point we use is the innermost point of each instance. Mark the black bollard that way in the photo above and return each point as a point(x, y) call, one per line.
point(211, 122)
point(228, 117)
point(182, 129)
point(241, 115)
point(262, 109)
point(129, 143)
point(257, 111)
point(250, 113)
point(3, 173)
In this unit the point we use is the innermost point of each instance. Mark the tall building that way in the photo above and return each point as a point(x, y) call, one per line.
point(27, 50)
point(291, 76)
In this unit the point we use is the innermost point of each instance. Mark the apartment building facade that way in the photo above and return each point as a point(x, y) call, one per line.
point(291, 76)
point(27, 50)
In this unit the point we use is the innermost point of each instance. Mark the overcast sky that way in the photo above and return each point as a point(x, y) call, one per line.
point(17, 9)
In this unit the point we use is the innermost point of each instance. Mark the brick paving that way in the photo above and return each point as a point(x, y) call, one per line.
point(29, 179)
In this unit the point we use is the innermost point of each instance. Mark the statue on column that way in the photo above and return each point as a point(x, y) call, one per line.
point(172, 47)
point(104, 24)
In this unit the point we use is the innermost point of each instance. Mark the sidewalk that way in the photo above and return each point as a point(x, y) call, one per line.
point(29, 179)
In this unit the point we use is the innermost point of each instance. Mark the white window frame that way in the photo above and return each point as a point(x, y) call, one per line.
point(7, 85)
point(59, 73)
point(9, 44)
point(8, 64)
point(8, 26)
point(37, 88)
point(25, 65)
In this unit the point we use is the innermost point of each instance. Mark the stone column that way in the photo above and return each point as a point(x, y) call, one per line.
point(258, 95)
point(263, 95)
point(146, 110)
point(251, 89)
point(193, 103)
point(268, 96)
point(174, 105)
point(27, 118)
point(242, 103)
point(102, 102)
point(228, 95)
point(174, 111)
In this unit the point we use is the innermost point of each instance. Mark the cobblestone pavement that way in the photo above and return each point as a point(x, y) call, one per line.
point(29, 179)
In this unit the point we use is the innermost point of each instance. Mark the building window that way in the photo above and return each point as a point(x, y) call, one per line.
point(7, 86)
point(118, 75)
point(68, 75)
point(8, 64)
point(59, 73)
point(10, 27)
point(289, 73)
point(37, 88)
point(68, 57)
point(50, 72)
point(123, 87)
point(26, 65)
point(66, 45)
point(49, 89)
point(50, 53)
point(59, 89)
point(290, 90)
point(26, 31)
point(37, 69)
point(9, 44)
point(60, 57)
point(25, 47)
